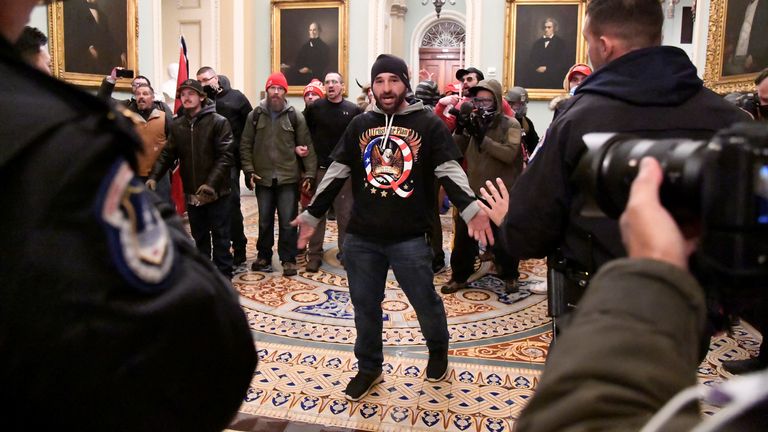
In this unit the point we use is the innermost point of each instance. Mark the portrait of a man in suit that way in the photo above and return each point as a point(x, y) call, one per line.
point(547, 63)
point(309, 43)
point(95, 35)
point(545, 43)
point(746, 37)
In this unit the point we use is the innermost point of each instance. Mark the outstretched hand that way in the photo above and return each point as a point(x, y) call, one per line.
point(647, 228)
point(480, 228)
point(305, 232)
point(497, 199)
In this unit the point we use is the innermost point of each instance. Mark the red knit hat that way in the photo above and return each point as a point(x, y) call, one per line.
point(316, 87)
point(452, 88)
point(276, 79)
point(579, 68)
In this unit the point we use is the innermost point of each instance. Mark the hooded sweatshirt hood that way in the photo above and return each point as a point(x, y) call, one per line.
point(660, 76)
point(224, 84)
point(492, 86)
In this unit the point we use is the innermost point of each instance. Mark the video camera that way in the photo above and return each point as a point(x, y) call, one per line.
point(719, 186)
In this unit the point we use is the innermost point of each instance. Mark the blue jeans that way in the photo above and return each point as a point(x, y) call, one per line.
point(211, 222)
point(367, 262)
point(284, 198)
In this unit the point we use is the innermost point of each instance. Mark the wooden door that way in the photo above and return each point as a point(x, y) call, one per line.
point(442, 63)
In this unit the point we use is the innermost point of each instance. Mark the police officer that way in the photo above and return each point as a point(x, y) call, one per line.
point(109, 318)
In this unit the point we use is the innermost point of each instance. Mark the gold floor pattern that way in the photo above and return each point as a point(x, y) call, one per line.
point(304, 335)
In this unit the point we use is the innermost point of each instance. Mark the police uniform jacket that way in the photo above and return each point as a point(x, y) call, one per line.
point(619, 97)
point(109, 317)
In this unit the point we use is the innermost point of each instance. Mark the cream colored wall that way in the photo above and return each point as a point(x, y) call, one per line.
point(244, 39)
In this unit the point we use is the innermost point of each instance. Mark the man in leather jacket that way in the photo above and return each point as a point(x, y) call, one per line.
point(202, 141)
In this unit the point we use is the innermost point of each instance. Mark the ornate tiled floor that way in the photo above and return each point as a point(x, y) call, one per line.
point(304, 332)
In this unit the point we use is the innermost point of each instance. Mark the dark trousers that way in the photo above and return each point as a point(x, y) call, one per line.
point(285, 199)
point(210, 224)
point(436, 235)
point(236, 229)
point(367, 262)
point(342, 205)
point(465, 250)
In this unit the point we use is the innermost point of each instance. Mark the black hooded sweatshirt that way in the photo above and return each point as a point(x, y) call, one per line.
point(652, 93)
point(235, 107)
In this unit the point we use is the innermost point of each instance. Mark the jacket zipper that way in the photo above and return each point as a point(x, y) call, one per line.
point(192, 156)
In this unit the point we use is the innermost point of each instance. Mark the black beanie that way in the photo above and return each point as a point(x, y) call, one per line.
point(391, 64)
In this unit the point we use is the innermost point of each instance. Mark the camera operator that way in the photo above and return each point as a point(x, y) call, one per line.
point(623, 38)
point(634, 341)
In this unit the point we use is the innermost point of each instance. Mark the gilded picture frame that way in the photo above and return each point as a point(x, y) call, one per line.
point(86, 42)
point(726, 68)
point(309, 39)
point(523, 42)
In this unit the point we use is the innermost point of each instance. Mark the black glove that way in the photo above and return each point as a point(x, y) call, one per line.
point(205, 194)
point(474, 126)
point(250, 180)
point(308, 186)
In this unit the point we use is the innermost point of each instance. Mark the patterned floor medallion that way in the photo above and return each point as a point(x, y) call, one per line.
point(304, 331)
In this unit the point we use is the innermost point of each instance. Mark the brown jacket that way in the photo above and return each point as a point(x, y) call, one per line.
point(153, 139)
point(499, 153)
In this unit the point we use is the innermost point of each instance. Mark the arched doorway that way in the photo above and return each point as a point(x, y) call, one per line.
point(441, 51)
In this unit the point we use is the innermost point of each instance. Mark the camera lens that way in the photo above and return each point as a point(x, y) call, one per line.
point(612, 162)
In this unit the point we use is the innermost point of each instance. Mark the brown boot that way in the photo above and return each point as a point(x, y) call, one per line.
point(313, 265)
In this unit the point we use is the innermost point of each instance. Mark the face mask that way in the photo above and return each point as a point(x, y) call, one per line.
point(522, 110)
point(209, 91)
point(573, 90)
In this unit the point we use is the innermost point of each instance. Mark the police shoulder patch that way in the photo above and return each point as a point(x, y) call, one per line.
point(137, 236)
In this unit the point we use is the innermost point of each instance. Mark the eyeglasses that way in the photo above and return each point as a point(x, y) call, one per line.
point(482, 102)
point(275, 89)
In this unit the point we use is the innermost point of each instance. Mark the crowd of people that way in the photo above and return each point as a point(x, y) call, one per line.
point(135, 306)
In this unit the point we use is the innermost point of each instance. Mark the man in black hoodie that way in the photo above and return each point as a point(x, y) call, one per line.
point(392, 156)
point(235, 107)
point(623, 38)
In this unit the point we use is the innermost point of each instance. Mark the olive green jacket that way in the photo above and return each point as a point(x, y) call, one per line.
point(268, 149)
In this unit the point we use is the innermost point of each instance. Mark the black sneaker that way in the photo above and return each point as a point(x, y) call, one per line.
point(261, 265)
point(438, 264)
point(452, 286)
point(511, 286)
point(361, 385)
point(289, 268)
point(239, 257)
point(740, 367)
point(437, 367)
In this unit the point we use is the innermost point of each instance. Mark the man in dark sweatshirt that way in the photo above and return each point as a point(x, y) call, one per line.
point(624, 39)
point(327, 119)
point(392, 156)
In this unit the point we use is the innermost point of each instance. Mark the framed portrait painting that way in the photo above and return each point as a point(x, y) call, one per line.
point(737, 47)
point(309, 40)
point(542, 41)
point(90, 37)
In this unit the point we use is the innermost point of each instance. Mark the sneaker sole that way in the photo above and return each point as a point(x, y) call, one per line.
point(433, 380)
point(368, 390)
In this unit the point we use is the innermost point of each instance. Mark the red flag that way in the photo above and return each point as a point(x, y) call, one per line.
point(177, 190)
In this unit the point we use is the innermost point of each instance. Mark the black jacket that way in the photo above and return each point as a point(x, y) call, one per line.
point(105, 92)
point(235, 107)
point(149, 344)
point(203, 146)
point(620, 97)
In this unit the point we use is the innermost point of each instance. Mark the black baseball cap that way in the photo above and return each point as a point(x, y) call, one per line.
point(461, 72)
point(192, 84)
